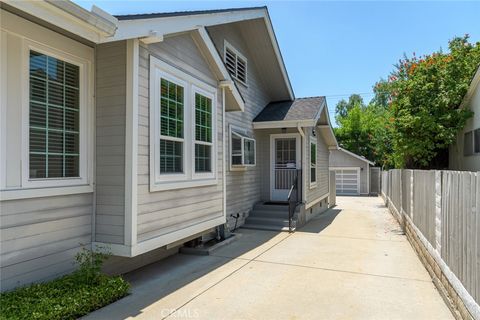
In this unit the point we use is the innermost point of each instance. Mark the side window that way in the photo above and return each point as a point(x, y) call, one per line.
point(476, 138)
point(203, 133)
point(468, 143)
point(242, 149)
point(182, 129)
point(171, 127)
point(54, 125)
point(313, 161)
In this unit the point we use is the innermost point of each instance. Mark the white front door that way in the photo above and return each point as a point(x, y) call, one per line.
point(285, 161)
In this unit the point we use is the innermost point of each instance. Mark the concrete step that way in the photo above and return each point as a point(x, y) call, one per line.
point(265, 227)
point(267, 221)
point(269, 214)
point(271, 207)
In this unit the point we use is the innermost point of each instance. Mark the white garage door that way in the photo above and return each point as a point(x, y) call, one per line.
point(347, 181)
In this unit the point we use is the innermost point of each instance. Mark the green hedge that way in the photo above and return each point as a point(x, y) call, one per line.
point(69, 297)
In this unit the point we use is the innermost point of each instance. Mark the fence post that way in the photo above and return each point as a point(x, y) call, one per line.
point(438, 210)
point(411, 194)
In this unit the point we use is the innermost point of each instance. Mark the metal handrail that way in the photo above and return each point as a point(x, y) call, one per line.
point(293, 200)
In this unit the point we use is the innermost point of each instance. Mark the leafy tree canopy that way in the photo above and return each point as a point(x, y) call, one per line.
point(424, 94)
point(415, 114)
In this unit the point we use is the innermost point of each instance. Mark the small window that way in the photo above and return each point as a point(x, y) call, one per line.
point(203, 133)
point(242, 150)
point(468, 143)
point(54, 126)
point(476, 138)
point(236, 63)
point(313, 162)
point(171, 127)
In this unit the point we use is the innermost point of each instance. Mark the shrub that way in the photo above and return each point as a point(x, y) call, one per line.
point(69, 297)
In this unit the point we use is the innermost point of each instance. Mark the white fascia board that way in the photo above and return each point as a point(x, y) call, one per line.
point(225, 79)
point(356, 156)
point(278, 54)
point(138, 28)
point(329, 125)
point(68, 16)
point(283, 124)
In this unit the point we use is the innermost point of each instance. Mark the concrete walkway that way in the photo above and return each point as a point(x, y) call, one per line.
point(350, 263)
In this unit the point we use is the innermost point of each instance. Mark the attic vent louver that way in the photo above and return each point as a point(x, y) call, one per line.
point(236, 63)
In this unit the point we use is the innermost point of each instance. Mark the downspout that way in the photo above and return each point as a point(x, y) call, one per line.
point(304, 154)
point(224, 174)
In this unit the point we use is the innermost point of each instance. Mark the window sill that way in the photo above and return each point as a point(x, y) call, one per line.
point(313, 185)
point(37, 192)
point(163, 186)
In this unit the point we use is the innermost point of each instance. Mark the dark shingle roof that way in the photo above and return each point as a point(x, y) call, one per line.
point(180, 13)
point(299, 109)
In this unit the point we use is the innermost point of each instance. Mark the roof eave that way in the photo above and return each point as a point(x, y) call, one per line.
point(95, 25)
point(356, 156)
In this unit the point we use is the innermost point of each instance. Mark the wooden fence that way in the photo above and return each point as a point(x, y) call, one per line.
point(444, 206)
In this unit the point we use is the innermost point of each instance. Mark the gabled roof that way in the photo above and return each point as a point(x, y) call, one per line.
point(298, 109)
point(156, 26)
point(301, 112)
point(355, 155)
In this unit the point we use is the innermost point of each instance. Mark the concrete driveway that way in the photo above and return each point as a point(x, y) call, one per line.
point(352, 262)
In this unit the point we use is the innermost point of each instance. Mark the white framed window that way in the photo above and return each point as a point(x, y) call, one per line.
point(55, 125)
point(313, 162)
point(235, 62)
point(468, 143)
point(182, 129)
point(476, 141)
point(242, 149)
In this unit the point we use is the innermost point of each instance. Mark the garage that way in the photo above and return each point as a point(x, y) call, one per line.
point(347, 181)
point(352, 172)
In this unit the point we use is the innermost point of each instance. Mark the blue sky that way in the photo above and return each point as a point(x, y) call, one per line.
point(339, 48)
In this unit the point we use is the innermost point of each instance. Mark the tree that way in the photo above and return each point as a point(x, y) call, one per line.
point(363, 130)
point(343, 107)
point(423, 96)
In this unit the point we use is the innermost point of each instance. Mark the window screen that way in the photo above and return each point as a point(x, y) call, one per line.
point(171, 127)
point(476, 138)
point(54, 117)
point(468, 143)
point(313, 162)
point(203, 133)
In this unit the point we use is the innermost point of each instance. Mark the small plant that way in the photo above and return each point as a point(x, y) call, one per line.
point(68, 297)
point(90, 263)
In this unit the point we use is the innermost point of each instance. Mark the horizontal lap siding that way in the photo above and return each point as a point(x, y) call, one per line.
point(110, 133)
point(163, 212)
point(322, 168)
point(40, 237)
point(342, 159)
point(243, 187)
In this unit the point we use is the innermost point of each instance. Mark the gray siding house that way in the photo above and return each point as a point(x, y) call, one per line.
point(139, 133)
point(464, 153)
point(352, 172)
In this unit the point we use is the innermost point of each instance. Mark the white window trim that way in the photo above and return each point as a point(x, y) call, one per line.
point(213, 145)
point(239, 131)
point(188, 179)
point(313, 140)
point(237, 53)
point(85, 119)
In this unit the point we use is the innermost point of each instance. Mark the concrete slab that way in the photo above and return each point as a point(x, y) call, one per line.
point(272, 291)
point(352, 263)
point(160, 288)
